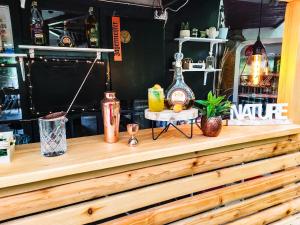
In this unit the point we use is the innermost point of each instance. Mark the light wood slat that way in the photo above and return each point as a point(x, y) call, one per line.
point(289, 80)
point(281, 145)
point(187, 207)
point(80, 191)
point(93, 154)
point(272, 214)
point(291, 220)
point(109, 206)
point(244, 208)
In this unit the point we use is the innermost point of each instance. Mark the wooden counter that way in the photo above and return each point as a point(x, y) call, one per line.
point(151, 173)
point(91, 153)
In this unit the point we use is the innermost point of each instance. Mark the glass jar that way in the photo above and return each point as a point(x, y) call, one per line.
point(53, 134)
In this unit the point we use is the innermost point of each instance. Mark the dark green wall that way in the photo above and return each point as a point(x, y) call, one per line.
point(148, 56)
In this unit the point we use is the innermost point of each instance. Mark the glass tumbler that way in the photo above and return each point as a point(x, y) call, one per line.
point(53, 134)
point(156, 99)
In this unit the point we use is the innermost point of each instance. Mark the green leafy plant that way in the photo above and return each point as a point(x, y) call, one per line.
point(214, 106)
point(185, 26)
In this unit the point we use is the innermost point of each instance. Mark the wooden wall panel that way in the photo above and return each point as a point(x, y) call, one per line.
point(35, 201)
point(201, 187)
point(198, 203)
point(274, 213)
point(116, 204)
point(247, 207)
point(290, 220)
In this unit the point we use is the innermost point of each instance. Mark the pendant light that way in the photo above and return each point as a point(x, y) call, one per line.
point(258, 58)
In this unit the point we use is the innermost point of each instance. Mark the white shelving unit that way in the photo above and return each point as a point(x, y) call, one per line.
point(33, 48)
point(211, 41)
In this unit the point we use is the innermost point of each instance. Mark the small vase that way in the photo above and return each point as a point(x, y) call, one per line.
point(223, 31)
point(211, 127)
point(184, 33)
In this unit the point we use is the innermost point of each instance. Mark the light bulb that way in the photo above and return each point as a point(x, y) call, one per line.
point(256, 68)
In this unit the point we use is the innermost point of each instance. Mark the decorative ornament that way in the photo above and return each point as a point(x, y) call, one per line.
point(125, 36)
point(252, 114)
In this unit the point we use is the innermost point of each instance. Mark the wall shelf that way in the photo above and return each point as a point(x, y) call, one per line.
point(12, 55)
point(33, 48)
point(196, 39)
point(257, 96)
point(206, 71)
point(212, 41)
point(264, 75)
point(199, 70)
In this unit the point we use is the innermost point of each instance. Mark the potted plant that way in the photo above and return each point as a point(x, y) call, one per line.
point(185, 30)
point(212, 111)
point(223, 30)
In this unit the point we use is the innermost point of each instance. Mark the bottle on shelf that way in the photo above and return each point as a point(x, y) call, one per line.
point(178, 93)
point(278, 65)
point(37, 28)
point(210, 62)
point(66, 39)
point(91, 29)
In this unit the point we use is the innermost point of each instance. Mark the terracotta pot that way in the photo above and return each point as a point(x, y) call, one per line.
point(211, 127)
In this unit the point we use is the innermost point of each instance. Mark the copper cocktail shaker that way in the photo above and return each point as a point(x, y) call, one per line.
point(111, 116)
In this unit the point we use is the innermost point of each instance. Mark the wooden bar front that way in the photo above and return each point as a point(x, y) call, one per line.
point(247, 175)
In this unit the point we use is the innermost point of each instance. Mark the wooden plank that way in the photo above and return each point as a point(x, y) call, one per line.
point(275, 213)
point(289, 79)
point(53, 197)
point(245, 208)
point(91, 153)
point(290, 220)
point(187, 207)
point(281, 145)
point(116, 204)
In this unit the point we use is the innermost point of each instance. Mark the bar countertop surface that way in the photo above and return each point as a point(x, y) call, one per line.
point(91, 153)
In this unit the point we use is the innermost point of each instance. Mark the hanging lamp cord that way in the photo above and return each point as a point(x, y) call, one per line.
point(260, 12)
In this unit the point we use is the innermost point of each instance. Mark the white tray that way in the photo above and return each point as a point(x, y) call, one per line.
point(169, 115)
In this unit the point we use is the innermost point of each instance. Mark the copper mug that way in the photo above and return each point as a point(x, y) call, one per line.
point(111, 116)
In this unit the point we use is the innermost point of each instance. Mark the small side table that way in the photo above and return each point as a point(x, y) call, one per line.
point(170, 116)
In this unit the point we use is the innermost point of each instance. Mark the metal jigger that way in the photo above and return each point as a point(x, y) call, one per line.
point(132, 129)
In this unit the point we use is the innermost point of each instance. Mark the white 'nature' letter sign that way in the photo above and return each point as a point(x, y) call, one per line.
point(252, 114)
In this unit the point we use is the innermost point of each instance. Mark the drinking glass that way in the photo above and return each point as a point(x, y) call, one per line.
point(53, 134)
point(156, 99)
